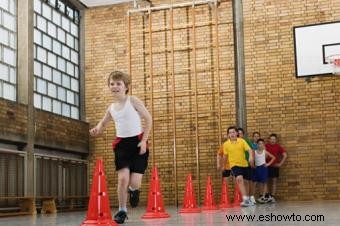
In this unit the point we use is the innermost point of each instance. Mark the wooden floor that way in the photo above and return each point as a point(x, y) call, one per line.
point(328, 210)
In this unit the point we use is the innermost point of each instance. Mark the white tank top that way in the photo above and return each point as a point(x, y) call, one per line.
point(260, 159)
point(127, 120)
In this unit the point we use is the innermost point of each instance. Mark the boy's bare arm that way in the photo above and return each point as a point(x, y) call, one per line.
point(144, 113)
point(98, 129)
point(284, 157)
point(251, 158)
point(272, 158)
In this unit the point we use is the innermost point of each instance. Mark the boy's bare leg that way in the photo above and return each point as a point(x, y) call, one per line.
point(123, 182)
point(241, 185)
point(135, 180)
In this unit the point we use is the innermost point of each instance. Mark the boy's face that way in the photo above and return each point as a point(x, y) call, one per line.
point(232, 134)
point(260, 145)
point(117, 87)
point(272, 140)
point(240, 134)
point(256, 137)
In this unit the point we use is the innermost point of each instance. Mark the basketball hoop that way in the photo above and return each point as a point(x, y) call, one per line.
point(335, 61)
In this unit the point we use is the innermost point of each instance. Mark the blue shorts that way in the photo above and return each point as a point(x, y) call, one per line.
point(261, 174)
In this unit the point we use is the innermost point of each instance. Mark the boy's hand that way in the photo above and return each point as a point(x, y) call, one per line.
point(266, 165)
point(142, 146)
point(277, 165)
point(94, 131)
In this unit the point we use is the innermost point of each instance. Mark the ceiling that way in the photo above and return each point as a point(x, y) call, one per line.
point(92, 3)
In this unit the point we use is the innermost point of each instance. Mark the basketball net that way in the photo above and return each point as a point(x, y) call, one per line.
point(335, 61)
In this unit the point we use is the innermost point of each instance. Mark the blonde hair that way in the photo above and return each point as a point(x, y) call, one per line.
point(118, 75)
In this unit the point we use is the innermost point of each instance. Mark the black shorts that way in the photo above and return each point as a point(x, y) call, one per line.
point(273, 172)
point(226, 173)
point(127, 155)
point(241, 171)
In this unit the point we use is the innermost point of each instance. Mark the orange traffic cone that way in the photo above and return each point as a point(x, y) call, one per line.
point(189, 204)
point(237, 196)
point(155, 207)
point(99, 212)
point(224, 203)
point(209, 201)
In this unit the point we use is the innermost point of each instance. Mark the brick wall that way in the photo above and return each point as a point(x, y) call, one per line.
point(305, 115)
point(270, 82)
point(52, 131)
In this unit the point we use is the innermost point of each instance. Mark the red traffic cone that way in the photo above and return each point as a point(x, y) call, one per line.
point(99, 212)
point(209, 201)
point(224, 203)
point(237, 196)
point(189, 204)
point(155, 207)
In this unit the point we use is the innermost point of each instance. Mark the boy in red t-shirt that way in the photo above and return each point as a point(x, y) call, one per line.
point(273, 170)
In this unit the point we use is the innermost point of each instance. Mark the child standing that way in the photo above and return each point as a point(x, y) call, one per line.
point(261, 172)
point(234, 149)
point(130, 146)
point(273, 170)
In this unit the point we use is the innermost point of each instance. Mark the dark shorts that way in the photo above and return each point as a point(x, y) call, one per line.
point(241, 171)
point(260, 174)
point(226, 173)
point(273, 172)
point(127, 155)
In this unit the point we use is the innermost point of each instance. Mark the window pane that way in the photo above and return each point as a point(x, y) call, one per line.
point(57, 77)
point(66, 110)
point(46, 103)
point(37, 100)
point(9, 91)
point(61, 93)
point(61, 35)
point(37, 37)
point(47, 42)
point(4, 35)
point(12, 40)
point(70, 69)
point(37, 68)
point(4, 72)
point(52, 90)
point(52, 29)
point(41, 86)
point(12, 75)
point(41, 22)
point(70, 40)
point(74, 112)
point(56, 47)
point(9, 21)
point(66, 81)
point(74, 56)
point(37, 6)
point(56, 17)
point(74, 29)
point(12, 6)
point(66, 52)
point(65, 23)
point(47, 73)
point(56, 107)
point(74, 85)
point(9, 56)
point(70, 97)
point(52, 60)
point(61, 64)
point(47, 12)
point(41, 54)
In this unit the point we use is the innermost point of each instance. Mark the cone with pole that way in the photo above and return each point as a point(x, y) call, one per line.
point(237, 196)
point(155, 208)
point(209, 200)
point(189, 204)
point(99, 213)
point(225, 203)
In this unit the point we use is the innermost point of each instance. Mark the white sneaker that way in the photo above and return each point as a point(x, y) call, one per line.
point(252, 200)
point(262, 199)
point(271, 199)
point(245, 203)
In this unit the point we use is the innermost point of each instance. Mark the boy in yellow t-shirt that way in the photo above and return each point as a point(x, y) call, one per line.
point(234, 149)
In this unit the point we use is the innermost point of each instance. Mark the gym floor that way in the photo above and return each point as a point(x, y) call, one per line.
point(299, 212)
